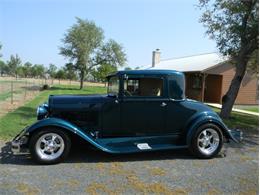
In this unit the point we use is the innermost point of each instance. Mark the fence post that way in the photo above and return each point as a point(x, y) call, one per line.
point(12, 91)
point(25, 89)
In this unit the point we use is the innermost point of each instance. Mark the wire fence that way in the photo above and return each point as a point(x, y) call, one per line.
point(15, 92)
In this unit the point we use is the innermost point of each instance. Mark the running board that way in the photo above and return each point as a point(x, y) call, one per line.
point(138, 144)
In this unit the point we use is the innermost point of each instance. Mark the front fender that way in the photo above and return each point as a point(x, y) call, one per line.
point(203, 118)
point(57, 122)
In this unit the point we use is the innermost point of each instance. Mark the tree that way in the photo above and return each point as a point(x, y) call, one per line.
point(0, 50)
point(20, 71)
point(70, 72)
point(3, 68)
point(60, 74)
point(27, 69)
point(13, 64)
point(38, 71)
point(233, 25)
point(128, 68)
point(83, 45)
point(52, 71)
point(102, 71)
point(253, 64)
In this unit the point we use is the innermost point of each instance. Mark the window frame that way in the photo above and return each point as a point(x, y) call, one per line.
point(138, 77)
point(118, 79)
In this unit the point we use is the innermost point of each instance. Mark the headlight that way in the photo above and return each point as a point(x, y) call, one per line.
point(42, 111)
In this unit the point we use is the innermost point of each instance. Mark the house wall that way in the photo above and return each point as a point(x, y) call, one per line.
point(248, 92)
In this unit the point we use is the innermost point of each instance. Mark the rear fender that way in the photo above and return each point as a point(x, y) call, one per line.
point(203, 118)
point(67, 126)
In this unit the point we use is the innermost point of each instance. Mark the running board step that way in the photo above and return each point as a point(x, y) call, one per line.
point(138, 144)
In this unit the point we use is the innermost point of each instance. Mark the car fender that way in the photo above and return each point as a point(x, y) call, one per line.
point(57, 122)
point(206, 117)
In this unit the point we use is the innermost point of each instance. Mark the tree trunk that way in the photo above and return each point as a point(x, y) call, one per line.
point(81, 79)
point(229, 98)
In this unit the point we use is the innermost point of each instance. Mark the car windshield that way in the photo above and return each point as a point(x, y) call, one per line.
point(113, 86)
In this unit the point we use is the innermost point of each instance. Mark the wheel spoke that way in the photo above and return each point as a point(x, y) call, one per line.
point(57, 145)
point(44, 141)
point(53, 137)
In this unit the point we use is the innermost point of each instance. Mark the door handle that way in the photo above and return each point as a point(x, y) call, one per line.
point(116, 101)
point(163, 104)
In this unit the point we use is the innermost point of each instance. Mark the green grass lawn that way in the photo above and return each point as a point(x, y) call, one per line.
point(241, 121)
point(249, 108)
point(13, 122)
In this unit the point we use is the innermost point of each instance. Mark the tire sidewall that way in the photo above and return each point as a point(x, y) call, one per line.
point(194, 148)
point(38, 134)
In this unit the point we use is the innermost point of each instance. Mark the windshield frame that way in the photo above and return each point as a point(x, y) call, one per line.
point(116, 81)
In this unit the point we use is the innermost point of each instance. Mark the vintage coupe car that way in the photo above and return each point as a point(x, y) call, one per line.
point(143, 110)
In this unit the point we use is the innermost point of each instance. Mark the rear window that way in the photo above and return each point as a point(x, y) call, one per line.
point(177, 87)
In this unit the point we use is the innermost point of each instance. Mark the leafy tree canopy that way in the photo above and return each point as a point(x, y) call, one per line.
point(233, 24)
point(83, 45)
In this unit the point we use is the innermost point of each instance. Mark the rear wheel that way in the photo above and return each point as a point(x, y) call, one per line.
point(49, 146)
point(207, 141)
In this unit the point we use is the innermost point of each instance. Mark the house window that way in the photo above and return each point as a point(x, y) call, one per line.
point(151, 87)
point(196, 82)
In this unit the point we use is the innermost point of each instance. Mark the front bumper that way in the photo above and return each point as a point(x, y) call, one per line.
point(20, 142)
point(236, 135)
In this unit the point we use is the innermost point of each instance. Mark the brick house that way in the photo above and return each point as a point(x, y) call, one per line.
point(208, 77)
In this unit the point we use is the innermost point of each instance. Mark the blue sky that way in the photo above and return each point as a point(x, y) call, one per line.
point(34, 29)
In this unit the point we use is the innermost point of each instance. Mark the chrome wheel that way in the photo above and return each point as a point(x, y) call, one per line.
point(208, 141)
point(50, 146)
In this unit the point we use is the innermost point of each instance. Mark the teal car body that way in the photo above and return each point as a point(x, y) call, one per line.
point(125, 121)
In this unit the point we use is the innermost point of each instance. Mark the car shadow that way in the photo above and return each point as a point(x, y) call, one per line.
point(83, 152)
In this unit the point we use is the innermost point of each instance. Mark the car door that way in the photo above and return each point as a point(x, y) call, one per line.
point(142, 113)
point(177, 113)
point(110, 120)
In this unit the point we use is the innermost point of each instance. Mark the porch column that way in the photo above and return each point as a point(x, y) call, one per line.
point(203, 87)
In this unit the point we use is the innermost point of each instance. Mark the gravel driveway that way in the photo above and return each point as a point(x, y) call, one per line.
point(234, 171)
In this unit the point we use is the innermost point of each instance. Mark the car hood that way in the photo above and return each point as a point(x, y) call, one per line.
point(75, 101)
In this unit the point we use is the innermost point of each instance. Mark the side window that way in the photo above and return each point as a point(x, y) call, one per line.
point(143, 87)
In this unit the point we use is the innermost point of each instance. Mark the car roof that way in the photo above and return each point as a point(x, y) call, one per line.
point(146, 72)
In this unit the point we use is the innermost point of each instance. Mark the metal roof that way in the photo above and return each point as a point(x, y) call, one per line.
point(195, 63)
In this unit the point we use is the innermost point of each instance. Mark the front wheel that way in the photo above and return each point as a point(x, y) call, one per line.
point(207, 141)
point(49, 146)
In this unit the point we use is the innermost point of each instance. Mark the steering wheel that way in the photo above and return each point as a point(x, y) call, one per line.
point(127, 93)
